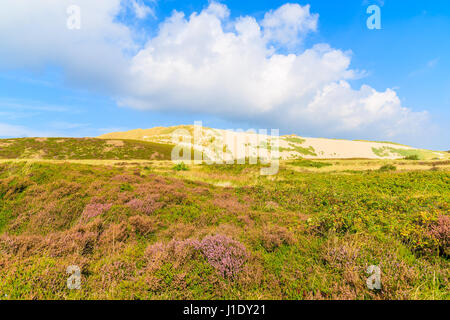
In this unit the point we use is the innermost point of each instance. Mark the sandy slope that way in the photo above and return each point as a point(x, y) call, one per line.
point(340, 149)
point(291, 146)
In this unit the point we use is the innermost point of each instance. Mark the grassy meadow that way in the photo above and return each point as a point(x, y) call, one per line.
point(142, 228)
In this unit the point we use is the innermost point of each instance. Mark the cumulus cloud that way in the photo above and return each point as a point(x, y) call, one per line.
point(289, 24)
point(14, 131)
point(141, 10)
point(208, 63)
point(34, 36)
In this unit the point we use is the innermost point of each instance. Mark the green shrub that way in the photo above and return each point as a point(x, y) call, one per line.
point(180, 167)
point(412, 157)
point(126, 187)
point(311, 164)
point(295, 140)
point(388, 167)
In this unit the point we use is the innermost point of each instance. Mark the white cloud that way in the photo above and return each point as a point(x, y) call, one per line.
point(141, 10)
point(34, 35)
point(289, 24)
point(432, 63)
point(14, 131)
point(64, 125)
point(207, 63)
point(34, 106)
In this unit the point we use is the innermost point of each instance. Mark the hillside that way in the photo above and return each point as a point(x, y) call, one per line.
point(291, 146)
point(157, 144)
point(151, 232)
point(82, 148)
point(143, 229)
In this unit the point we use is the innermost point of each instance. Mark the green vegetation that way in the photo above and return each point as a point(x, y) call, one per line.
point(415, 154)
point(382, 152)
point(310, 164)
point(389, 142)
point(180, 167)
point(82, 148)
point(412, 157)
point(303, 151)
point(294, 139)
point(388, 167)
point(140, 232)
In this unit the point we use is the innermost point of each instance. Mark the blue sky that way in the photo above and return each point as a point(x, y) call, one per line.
point(62, 83)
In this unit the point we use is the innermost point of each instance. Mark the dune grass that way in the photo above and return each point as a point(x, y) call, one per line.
point(414, 154)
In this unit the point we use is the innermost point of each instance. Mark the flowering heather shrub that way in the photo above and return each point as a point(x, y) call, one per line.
point(176, 251)
point(164, 261)
point(148, 205)
point(136, 204)
point(230, 203)
point(225, 254)
point(126, 178)
point(124, 197)
point(351, 255)
point(441, 232)
point(163, 189)
point(155, 255)
point(115, 272)
point(201, 190)
point(62, 188)
point(115, 235)
point(341, 255)
point(142, 225)
point(81, 241)
point(274, 237)
point(95, 209)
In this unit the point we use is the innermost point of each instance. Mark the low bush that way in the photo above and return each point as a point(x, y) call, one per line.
point(180, 167)
point(273, 237)
point(225, 254)
point(310, 164)
point(388, 167)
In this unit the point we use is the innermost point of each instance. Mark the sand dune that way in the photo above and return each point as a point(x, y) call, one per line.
point(290, 146)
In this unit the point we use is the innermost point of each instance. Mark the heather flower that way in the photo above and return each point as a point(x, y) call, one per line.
point(95, 209)
point(225, 254)
point(273, 237)
point(147, 205)
point(178, 252)
point(142, 225)
point(126, 178)
point(441, 232)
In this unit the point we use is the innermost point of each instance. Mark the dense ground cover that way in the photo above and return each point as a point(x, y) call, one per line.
point(82, 148)
point(146, 232)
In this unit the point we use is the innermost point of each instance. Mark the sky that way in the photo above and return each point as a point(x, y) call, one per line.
point(312, 68)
